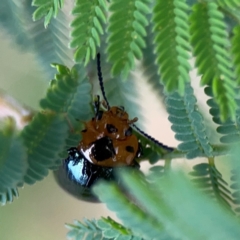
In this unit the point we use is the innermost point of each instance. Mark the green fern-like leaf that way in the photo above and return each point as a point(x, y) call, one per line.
point(47, 137)
point(8, 195)
point(236, 51)
point(184, 218)
point(210, 180)
point(47, 9)
point(235, 178)
point(103, 229)
point(11, 21)
point(69, 93)
point(236, 189)
point(112, 229)
point(229, 129)
point(87, 27)
point(187, 122)
point(126, 34)
point(228, 3)
point(170, 20)
point(49, 45)
point(86, 230)
point(13, 165)
point(148, 65)
point(44, 138)
point(212, 55)
point(131, 215)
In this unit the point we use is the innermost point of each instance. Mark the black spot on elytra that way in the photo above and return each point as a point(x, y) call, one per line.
point(129, 149)
point(84, 130)
point(103, 149)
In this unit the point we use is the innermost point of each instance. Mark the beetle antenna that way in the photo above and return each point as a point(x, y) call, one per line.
point(100, 78)
point(170, 149)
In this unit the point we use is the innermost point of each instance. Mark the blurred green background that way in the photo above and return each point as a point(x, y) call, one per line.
point(42, 209)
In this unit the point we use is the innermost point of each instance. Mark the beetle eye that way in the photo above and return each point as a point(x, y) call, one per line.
point(111, 128)
point(128, 132)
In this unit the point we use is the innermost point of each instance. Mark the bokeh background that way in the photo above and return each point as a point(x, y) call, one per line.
point(42, 209)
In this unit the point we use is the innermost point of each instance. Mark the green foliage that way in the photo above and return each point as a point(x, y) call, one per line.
point(87, 230)
point(212, 55)
point(48, 45)
point(69, 93)
point(48, 135)
point(67, 100)
point(11, 20)
point(87, 26)
point(131, 215)
point(235, 179)
point(228, 3)
point(236, 51)
point(105, 228)
point(51, 44)
point(159, 202)
point(44, 139)
point(158, 39)
point(229, 128)
point(187, 123)
point(149, 68)
point(13, 164)
point(171, 26)
point(126, 34)
point(210, 180)
point(47, 9)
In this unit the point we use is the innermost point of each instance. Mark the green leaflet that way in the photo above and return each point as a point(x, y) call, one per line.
point(126, 31)
point(212, 55)
point(129, 213)
point(210, 180)
point(228, 3)
point(87, 27)
point(16, 19)
point(176, 198)
point(8, 195)
point(236, 51)
point(229, 129)
point(146, 195)
point(197, 221)
point(13, 165)
point(11, 21)
point(44, 138)
point(235, 180)
point(69, 93)
point(171, 30)
point(46, 8)
point(102, 229)
point(187, 123)
point(87, 230)
point(112, 229)
point(148, 65)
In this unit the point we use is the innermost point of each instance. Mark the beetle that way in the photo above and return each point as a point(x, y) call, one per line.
point(108, 143)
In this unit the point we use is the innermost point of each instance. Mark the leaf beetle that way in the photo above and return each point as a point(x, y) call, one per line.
point(107, 143)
